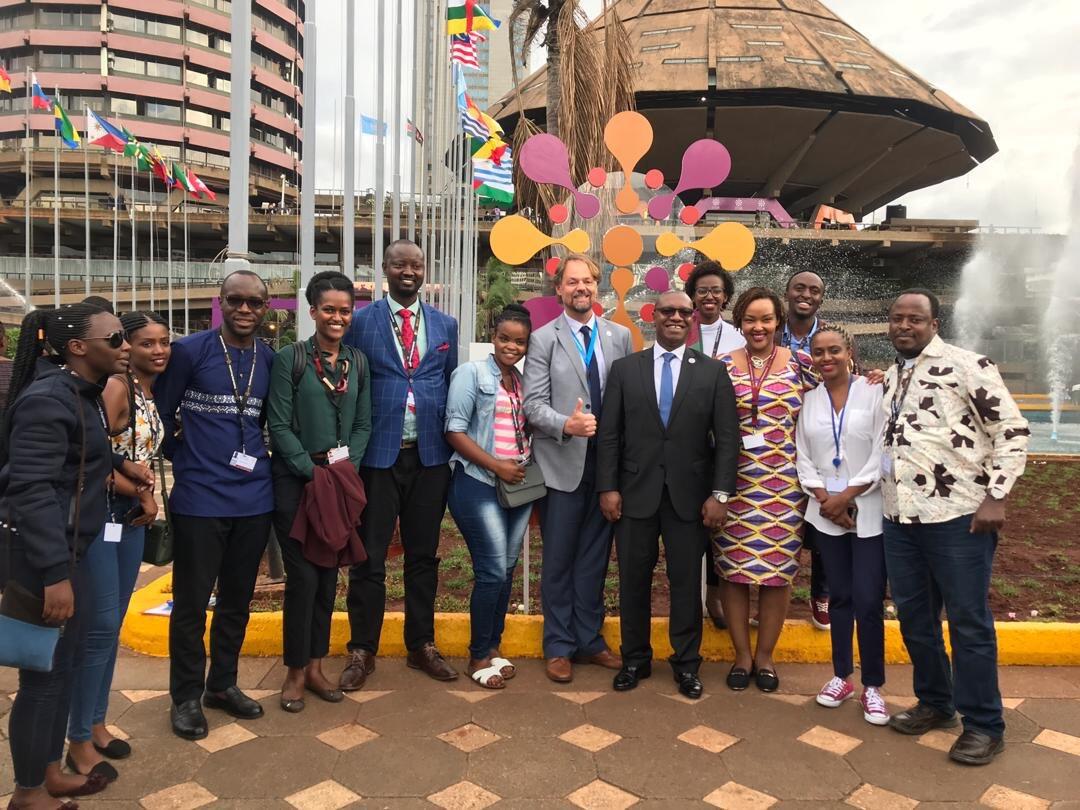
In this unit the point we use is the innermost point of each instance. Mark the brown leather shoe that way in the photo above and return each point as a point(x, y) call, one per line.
point(605, 658)
point(361, 664)
point(559, 669)
point(430, 660)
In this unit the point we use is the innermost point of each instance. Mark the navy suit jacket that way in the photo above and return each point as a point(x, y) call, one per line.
point(372, 334)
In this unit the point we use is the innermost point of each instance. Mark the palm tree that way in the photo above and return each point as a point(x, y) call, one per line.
point(543, 16)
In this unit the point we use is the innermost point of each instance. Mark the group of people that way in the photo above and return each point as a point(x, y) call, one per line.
point(737, 442)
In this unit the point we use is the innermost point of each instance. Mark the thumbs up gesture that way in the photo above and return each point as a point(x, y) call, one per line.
point(580, 423)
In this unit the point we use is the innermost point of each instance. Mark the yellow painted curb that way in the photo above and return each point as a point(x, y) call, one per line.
point(1019, 643)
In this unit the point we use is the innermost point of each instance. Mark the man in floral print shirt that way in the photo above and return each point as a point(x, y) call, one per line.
point(955, 443)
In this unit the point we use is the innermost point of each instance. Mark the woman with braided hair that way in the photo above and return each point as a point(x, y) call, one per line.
point(112, 564)
point(54, 438)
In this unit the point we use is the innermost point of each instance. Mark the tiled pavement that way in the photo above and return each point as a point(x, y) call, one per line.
point(406, 741)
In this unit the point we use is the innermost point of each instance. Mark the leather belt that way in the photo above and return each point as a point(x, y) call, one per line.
point(406, 445)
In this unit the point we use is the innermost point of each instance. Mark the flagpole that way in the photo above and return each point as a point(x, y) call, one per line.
point(395, 217)
point(134, 224)
point(56, 207)
point(187, 324)
point(168, 258)
point(153, 205)
point(348, 203)
point(304, 324)
point(115, 228)
point(86, 200)
point(27, 290)
point(377, 218)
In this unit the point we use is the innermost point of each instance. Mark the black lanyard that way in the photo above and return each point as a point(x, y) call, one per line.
point(405, 354)
point(335, 392)
point(716, 342)
point(241, 401)
point(903, 382)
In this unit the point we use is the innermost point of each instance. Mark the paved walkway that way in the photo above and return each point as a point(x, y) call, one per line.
point(408, 742)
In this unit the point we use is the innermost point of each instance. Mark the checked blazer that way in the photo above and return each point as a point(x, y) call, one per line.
point(372, 334)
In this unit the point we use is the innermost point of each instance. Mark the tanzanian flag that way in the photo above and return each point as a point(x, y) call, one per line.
point(464, 16)
point(64, 128)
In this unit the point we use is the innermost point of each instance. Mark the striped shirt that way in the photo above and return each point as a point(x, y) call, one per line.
point(506, 445)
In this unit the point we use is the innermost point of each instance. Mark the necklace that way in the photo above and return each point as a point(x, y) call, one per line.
point(759, 362)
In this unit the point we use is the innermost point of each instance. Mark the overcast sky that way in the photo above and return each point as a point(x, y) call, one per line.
point(1015, 63)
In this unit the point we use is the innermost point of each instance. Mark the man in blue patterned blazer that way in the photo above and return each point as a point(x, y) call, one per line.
point(412, 351)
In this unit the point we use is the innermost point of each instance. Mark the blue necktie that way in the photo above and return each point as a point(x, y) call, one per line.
point(594, 374)
point(667, 388)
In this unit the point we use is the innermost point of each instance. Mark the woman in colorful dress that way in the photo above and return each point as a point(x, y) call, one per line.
point(112, 561)
point(760, 541)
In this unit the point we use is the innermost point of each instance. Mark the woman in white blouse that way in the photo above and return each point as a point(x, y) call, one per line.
point(839, 444)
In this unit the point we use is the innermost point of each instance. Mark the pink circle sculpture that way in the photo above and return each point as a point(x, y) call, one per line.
point(654, 178)
point(646, 312)
point(658, 280)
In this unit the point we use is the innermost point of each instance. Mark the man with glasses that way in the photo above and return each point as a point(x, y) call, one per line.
point(211, 399)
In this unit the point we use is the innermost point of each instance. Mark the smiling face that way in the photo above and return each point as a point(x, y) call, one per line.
point(243, 304)
point(912, 324)
point(404, 268)
point(151, 347)
point(672, 317)
point(332, 314)
point(759, 324)
point(805, 293)
point(511, 342)
point(577, 290)
point(831, 356)
point(709, 298)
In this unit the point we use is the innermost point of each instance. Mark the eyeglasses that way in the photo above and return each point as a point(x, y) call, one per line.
point(114, 339)
point(667, 312)
point(702, 292)
point(237, 301)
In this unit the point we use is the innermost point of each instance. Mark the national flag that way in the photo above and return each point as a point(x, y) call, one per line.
point(132, 147)
point(100, 132)
point(472, 120)
point(180, 178)
point(413, 131)
point(159, 167)
point(38, 99)
point(463, 51)
point(493, 175)
point(5, 81)
point(372, 126)
point(201, 188)
point(64, 128)
point(463, 16)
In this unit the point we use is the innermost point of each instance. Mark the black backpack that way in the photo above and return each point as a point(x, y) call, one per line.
point(299, 364)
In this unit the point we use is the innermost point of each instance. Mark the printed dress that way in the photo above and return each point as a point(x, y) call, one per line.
point(761, 538)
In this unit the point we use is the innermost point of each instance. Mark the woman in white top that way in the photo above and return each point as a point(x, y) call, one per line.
point(839, 445)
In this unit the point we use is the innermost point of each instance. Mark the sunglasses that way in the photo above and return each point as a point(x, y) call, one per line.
point(237, 301)
point(114, 339)
point(667, 312)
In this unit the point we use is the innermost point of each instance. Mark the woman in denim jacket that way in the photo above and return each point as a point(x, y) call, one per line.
point(485, 426)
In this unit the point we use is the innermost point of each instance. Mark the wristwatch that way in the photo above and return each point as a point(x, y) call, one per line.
point(721, 497)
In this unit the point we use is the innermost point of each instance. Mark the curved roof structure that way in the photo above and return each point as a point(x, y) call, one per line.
point(810, 110)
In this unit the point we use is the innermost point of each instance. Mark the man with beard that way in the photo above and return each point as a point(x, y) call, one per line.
point(667, 459)
point(211, 400)
point(565, 372)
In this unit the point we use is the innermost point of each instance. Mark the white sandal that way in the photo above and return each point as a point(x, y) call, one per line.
point(504, 665)
point(484, 676)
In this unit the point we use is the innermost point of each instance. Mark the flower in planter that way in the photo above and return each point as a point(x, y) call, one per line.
point(1034, 614)
point(1012, 615)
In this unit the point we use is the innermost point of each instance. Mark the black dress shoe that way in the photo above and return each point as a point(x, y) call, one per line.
point(766, 680)
point(188, 720)
point(976, 748)
point(689, 684)
point(233, 701)
point(116, 749)
point(920, 719)
point(629, 676)
point(737, 679)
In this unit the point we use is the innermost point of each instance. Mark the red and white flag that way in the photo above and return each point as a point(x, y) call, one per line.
point(463, 49)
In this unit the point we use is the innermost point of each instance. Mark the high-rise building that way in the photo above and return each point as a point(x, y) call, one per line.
point(495, 78)
point(161, 68)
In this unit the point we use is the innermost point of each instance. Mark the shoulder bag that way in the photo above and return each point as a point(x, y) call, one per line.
point(158, 546)
point(532, 487)
point(26, 640)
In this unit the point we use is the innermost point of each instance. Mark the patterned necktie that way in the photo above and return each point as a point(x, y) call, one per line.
point(667, 388)
point(595, 395)
point(408, 340)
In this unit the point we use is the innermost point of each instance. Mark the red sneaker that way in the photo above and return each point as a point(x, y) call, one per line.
point(835, 692)
point(819, 614)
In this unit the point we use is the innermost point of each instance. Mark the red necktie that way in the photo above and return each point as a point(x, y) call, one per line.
point(408, 338)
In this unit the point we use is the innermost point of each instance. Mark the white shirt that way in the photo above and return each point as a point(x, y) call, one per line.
point(730, 338)
point(658, 353)
point(575, 330)
point(861, 444)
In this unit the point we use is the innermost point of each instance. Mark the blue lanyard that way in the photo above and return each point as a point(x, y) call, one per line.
point(587, 355)
point(838, 429)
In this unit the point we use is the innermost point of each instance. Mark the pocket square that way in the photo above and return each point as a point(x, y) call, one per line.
point(445, 347)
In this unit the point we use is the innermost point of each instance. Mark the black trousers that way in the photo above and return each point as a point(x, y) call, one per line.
point(209, 550)
point(636, 542)
point(310, 589)
point(415, 495)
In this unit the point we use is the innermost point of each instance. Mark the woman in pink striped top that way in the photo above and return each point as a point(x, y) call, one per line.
point(485, 426)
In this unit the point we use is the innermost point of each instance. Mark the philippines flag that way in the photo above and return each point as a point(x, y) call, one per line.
point(38, 99)
point(100, 132)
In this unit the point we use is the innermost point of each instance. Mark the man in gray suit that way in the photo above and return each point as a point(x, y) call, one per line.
point(565, 371)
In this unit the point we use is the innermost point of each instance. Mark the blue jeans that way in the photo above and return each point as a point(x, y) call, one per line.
point(943, 564)
point(111, 570)
point(494, 536)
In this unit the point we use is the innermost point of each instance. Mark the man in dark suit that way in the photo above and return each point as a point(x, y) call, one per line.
point(411, 350)
point(668, 449)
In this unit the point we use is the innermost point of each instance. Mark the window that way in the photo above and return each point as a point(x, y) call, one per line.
point(667, 46)
point(898, 73)
point(222, 83)
point(857, 52)
point(16, 19)
point(739, 59)
point(193, 76)
point(199, 118)
point(163, 70)
point(150, 26)
point(145, 67)
point(660, 31)
point(74, 18)
point(690, 60)
point(124, 106)
point(162, 110)
point(193, 36)
point(797, 60)
point(853, 65)
point(70, 60)
point(775, 43)
point(758, 27)
point(831, 35)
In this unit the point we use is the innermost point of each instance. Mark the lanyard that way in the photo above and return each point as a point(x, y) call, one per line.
point(335, 392)
point(514, 395)
point(407, 355)
point(241, 401)
point(903, 382)
point(716, 342)
point(587, 355)
point(756, 383)
point(838, 429)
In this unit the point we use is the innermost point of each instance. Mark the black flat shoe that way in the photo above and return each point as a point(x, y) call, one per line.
point(95, 783)
point(329, 695)
point(737, 679)
point(689, 684)
point(102, 769)
point(233, 701)
point(188, 720)
point(116, 749)
point(629, 676)
point(766, 680)
point(292, 706)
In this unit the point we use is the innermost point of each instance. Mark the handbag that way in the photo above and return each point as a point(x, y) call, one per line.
point(26, 640)
point(532, 487)
point(158, 546)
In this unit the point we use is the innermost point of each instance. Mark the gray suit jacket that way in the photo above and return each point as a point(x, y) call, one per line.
point(554, 381)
